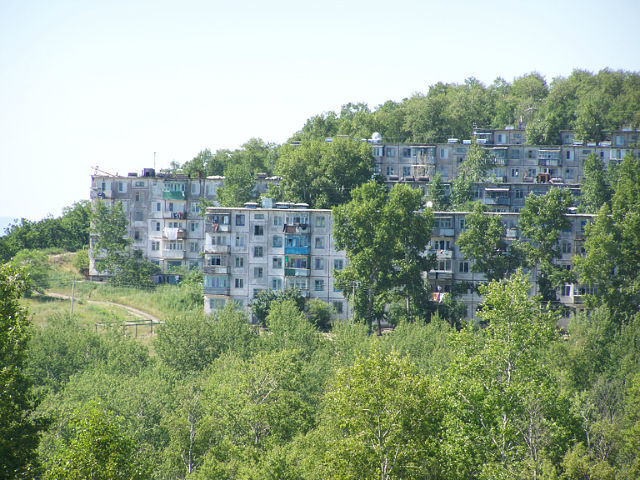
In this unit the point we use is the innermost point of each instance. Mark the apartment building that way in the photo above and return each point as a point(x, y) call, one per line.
point(251, 249)
point(163, 213)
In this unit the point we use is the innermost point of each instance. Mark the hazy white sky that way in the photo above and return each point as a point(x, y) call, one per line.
point(108, 83)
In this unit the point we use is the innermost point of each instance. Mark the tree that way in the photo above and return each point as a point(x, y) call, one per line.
point(36, 265)
point(542, 220)
point(612, 260)
point(381, 421)
point(595, 189)
point(261, 304)
point(321, 173)
point(436, 194)
point(506, 415)
point(112, 253)
point(385, 240)
point(97, 450)
point(19, 432)
point(483, 242)
point(239, 186)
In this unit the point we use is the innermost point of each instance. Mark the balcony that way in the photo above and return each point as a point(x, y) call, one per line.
point(169, 233)
point(217, 248)
point(497, 201)
point(217, 227)
point(175, 215)
point(173, 254)
point(578, 299)
point(100, 193)
point(440, 275)
point(443, 232)
point(297, 272)
point(512, 233)
point(549, 162)
point(216, 290)
point(296, 250)
point(216, 270)
point(442, 254)
point(173, 195)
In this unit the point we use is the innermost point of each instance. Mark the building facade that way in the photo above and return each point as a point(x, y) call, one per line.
point(251, 249)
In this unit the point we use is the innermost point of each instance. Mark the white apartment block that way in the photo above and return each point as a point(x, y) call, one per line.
point(250, 249)
point(163, 210)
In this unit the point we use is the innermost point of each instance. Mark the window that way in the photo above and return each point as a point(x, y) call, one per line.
point(158, 206)
point(215, 261)
point(565, 290)
point(318, 285)
point(337, 306)
point(406, 152)
point(277, 262)
point(138, 216)
point(195, 226)
point(216, 281)
point(406, 171)
point(276, 283)
point(463, 223)
point(156, 226)
point(258, 230)
point(463, 267)
point(195, 208)
point(276, 241)
point(239, 220)
point(391, 152)
point(277, 221)
point(217, 303)
point(136, 235)
point(390, 171)
point(258, 216)
point(174, 245)
point(155, 246)
point(319, 243)
point(138, 184)
point(338, 264)
point(258, 272)
point(194, 247)
point(195, 188)
point(318, 264)
point(320, 221)
point(239, 283)
point(239, 262)
point(377, 151)
point(239, 240)
point(444, 153)
point(519, 194)
point(258, 251)
point(515, 172)
point(139, 196)
point(121, 186)
point(566, 247)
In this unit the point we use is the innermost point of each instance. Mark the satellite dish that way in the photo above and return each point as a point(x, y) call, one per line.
point(376, 137)
point(430, 204)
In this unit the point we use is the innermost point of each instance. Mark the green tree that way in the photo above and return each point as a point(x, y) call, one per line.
point(595, 189)
point(319, 314)
point(322, 174)
point(261, 304)
point(36, 265)
point(436, 194)
point(381, 421)
point(507, 414)
point(239, 186)
point(612, 260)
point(483, 242)
point(112, 253)
point(385, 240)
point(98, 449)
point(542, 220)
point(19, 433)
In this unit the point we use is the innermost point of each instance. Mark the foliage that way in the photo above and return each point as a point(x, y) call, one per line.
point(19, 433)
point(483, 242)
point(542, 220)
point(319, 314)
point(289, 329)
point(382, 420)
point(239, 186)
point(35, 265)
point(321, 173)
point(70, 232)
point(612, 246)
point(261, 304)
point(595, 188)
point(98, 450)
point(189, 343)
point(112, 252)
point(385, 240)
point(436, 194)
point(81, 261)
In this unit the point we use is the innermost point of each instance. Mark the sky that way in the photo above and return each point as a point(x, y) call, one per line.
point(107, 83)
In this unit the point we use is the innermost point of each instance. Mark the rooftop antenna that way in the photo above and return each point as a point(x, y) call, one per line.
point(154, 160)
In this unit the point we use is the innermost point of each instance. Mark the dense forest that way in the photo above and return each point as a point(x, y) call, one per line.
point(507, 397)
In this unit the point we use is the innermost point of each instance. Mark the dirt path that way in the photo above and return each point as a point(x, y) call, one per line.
point(132, 310)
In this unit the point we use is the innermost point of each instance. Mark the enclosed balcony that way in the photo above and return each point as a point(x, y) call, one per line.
point(296, 244)
point(173, 195)
point(213, 248)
